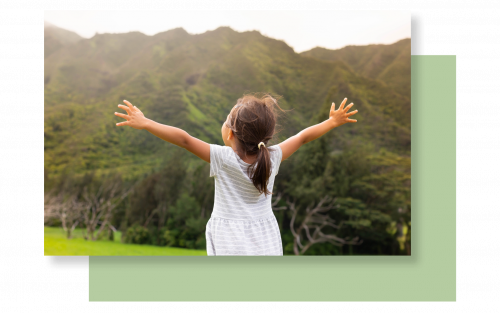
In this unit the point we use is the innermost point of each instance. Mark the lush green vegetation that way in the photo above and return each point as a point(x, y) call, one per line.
point(388, 63)
point(56, 38)
point(55, 243)
point(191, 82)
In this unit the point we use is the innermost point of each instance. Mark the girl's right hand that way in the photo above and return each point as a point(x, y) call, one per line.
point(135, 117)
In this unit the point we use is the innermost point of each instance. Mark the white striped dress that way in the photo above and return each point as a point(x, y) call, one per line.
point(242, 221)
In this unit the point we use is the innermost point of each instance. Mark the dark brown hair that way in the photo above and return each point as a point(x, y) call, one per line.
point(253, 120)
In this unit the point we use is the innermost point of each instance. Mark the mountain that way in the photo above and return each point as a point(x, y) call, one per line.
point(192, 81)
point(56, 38)
point(387, 63)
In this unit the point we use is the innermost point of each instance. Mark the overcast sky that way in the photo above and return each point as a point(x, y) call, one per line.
point(302, 30)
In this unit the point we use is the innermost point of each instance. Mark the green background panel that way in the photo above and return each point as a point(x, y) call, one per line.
point(429, 274)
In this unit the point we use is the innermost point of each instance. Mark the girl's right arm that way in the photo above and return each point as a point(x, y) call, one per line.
point(177, 136)
point(337, 118)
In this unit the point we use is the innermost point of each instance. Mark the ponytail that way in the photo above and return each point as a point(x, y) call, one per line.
point(260, 170)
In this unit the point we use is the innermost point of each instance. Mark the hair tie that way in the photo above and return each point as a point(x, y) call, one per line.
point(261, 143)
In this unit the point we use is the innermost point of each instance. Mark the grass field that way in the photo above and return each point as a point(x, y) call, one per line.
point(55, 243)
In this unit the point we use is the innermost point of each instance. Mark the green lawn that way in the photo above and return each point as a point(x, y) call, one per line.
point(55, 243)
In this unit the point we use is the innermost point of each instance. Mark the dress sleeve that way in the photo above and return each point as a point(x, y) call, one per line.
point(217, 159)
point(276, 155)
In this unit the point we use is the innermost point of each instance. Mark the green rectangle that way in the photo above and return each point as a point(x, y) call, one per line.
point(429, 274)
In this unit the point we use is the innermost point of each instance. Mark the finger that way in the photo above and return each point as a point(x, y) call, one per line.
point(122, 115)
point(342, 104)
point(122, 124)
point(333, 107)
point(129, 105)
point(351, 121)
point(126, 108)
point(348, 107)
point(352, 113)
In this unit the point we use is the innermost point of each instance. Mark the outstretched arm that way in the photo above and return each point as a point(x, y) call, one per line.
point(177, 136)
point(337, 118)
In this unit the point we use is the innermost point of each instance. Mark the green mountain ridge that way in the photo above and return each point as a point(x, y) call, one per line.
point(192, 81)
point(56, 38)
point(388, 63)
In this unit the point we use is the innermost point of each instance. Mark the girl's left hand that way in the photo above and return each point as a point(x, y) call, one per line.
point(135, 117)
point(340, 116)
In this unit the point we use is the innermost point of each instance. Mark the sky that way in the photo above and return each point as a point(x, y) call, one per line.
point(301, 30)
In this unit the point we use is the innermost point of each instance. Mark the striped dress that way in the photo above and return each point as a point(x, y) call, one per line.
point(242, 221)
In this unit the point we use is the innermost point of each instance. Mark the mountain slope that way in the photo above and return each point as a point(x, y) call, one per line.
point(388, 63)
point(191, 82)
point(56, 38)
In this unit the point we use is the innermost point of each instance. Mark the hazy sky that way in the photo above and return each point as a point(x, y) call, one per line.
point(302, 30)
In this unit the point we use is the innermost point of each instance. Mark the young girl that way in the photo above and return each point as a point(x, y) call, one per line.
point(242, 221)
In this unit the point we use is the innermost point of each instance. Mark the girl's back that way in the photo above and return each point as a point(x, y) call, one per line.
point(242, 221)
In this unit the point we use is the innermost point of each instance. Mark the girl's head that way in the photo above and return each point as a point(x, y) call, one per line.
point(251, 121)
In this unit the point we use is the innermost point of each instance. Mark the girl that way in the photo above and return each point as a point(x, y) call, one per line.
point(242, 221)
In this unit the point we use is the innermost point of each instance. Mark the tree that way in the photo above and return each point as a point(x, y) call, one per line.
point(99, 200)
point(64, 207)
point(312, 228)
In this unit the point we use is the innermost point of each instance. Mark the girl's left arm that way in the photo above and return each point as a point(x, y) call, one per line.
point(136, 119)
point(337, 118)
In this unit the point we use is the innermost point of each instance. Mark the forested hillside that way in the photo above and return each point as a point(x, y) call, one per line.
point(56, 38)
point(387, 63)
point(191, 82)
